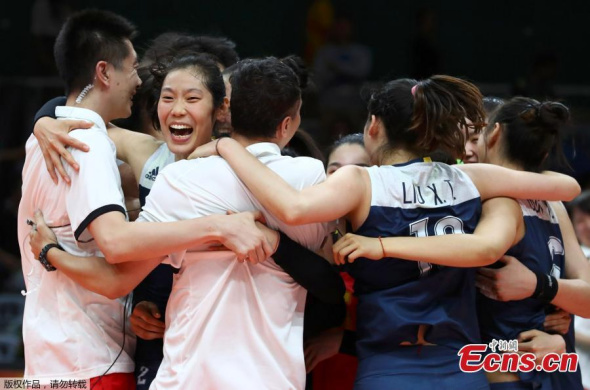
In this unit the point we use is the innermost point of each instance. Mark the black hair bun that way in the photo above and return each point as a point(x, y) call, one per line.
point(553, 114)
point(159, 67)
point(298, 66)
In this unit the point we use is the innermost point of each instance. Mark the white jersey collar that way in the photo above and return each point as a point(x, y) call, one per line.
point(70, 112)
point(264, 149)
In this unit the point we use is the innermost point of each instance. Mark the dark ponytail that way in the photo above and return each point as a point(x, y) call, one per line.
point(441, 104)
point(531, 130)
point(423, 116)
point(552, 116)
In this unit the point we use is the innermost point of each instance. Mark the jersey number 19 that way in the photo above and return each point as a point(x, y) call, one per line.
point(445, 225)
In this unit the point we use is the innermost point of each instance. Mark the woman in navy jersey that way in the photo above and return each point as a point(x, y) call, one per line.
point(558, 321)
point(521, 135)
point(413, 316)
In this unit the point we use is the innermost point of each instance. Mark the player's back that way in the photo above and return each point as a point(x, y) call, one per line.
point(407, 302)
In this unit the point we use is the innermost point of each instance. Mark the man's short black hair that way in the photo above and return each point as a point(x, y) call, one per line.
point(264, 92)
point(87, 37)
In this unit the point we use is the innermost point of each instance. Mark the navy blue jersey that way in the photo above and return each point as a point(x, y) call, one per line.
point(541, 250)
point(397, 298)
point(152, 167)
point(157, 285)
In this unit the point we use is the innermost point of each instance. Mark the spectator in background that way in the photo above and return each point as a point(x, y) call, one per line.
point(320, 17)
point(341, 67)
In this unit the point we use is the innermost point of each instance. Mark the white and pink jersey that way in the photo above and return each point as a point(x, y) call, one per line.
point(68, 331)
point(231, 325)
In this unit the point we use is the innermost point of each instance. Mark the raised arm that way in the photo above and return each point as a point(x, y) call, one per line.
point(338, 196)
point(53, 138)
point(493, 181)
point(499, 228)
point(133, 147)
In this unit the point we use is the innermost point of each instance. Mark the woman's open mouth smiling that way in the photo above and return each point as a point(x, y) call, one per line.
point(180, 132)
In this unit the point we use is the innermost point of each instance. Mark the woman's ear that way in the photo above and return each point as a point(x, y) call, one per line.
point(222, 113)
point(494, 136)
point(373, 126)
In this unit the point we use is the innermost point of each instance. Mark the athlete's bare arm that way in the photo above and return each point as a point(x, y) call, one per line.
point(499, 228)
point(347, 192)
point(92, 273)
point(340, 195)
point(53, 139)
point(493, 180)
point(515, 281)
point(113, 280)
point(132, 147)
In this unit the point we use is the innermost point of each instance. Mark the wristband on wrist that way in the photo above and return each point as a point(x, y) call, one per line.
point(546, 288)
point(43, 256)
